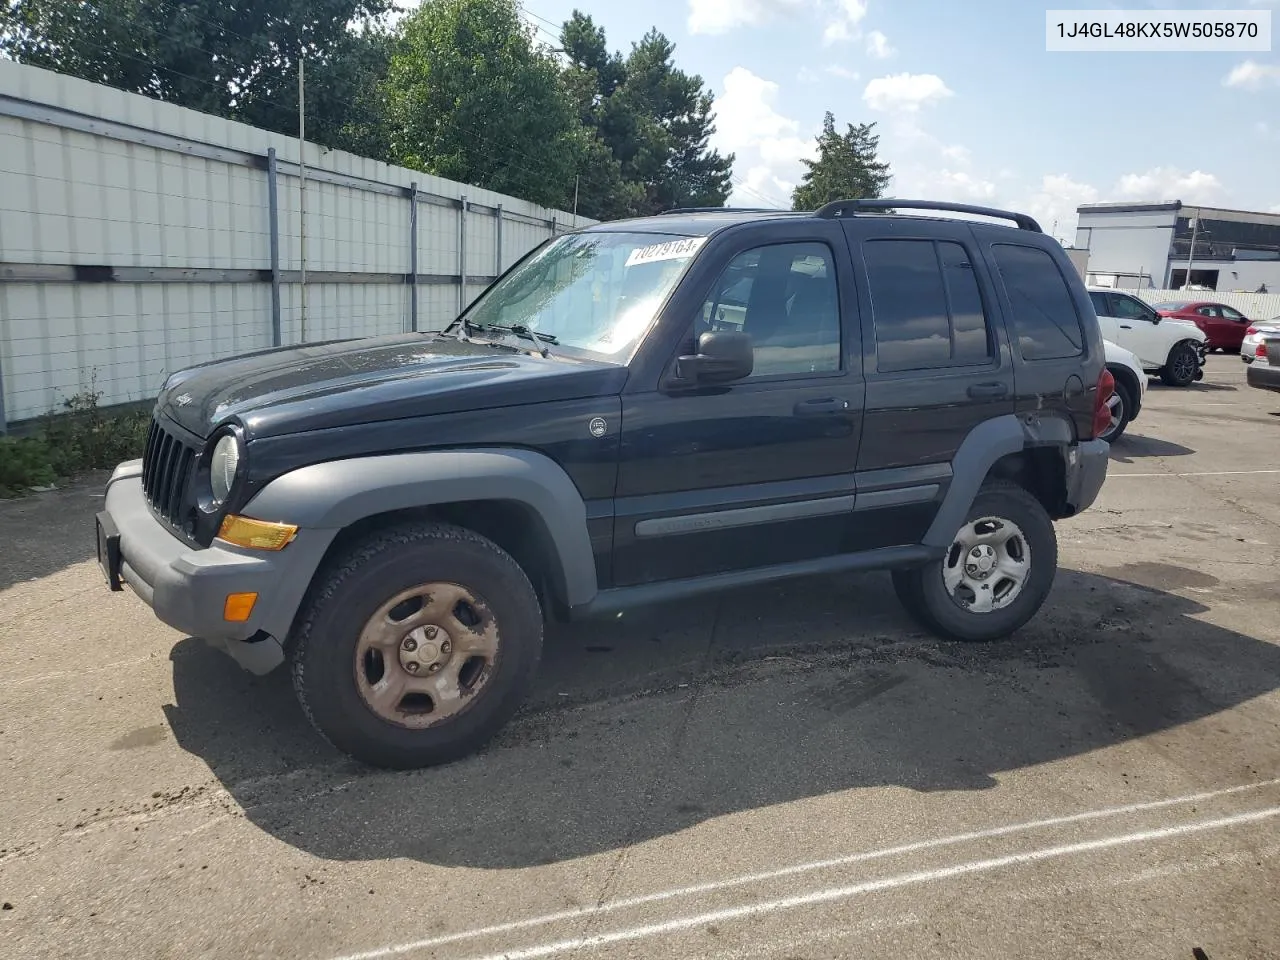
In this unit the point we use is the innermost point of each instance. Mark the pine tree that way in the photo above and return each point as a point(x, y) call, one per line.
point(847, 167)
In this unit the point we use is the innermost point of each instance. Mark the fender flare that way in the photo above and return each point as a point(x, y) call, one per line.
point(978, 453)
point(337, 493)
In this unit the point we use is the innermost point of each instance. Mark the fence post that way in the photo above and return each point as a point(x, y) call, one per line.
point(4, 420)
point(462, 256)
point(498, 256)
point(273, 216)
point(413, 256)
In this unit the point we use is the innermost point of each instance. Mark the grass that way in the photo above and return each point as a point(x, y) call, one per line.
point(81, 437)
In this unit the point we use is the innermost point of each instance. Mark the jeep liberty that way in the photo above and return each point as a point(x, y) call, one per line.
point(635, 412)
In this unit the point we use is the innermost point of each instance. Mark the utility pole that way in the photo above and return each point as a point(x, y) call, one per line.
point(575, 200)
point(302, 189)
point(1195, 226)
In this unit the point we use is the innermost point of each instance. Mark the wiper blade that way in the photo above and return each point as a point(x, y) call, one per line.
point(540, 340)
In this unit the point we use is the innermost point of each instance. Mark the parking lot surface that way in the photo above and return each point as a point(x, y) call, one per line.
point(787, 772)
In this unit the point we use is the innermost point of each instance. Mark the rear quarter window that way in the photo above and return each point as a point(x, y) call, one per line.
point(1045, 321)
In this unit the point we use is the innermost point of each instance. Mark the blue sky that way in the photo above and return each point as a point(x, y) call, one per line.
point(969, 104)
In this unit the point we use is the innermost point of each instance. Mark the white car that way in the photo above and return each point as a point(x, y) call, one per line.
point(1173, 349)
point(1130, 392)
point(1258, 331)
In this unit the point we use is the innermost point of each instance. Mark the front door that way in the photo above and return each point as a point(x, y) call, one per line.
point(1135, 324)
point(936, 365)
point(760, 471)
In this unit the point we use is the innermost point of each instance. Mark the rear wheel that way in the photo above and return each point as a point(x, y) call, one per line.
point(419, 645)
point(995, 575)
point(1180, 368)
point(1121, 407)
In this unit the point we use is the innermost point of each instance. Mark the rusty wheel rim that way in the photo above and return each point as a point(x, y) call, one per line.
point(426, 654)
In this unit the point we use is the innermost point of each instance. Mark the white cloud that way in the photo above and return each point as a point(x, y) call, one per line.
point(957, 153)
point(721, 16)
point(1252, 75)
point(807, 75)
point(768, 145)
point(905, 92)
point(1169, 183)
point(843, 73)
point(849, 15)
point(878, 46)
point(1054, 203)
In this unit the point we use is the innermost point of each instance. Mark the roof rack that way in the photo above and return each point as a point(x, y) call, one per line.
point(840, 208)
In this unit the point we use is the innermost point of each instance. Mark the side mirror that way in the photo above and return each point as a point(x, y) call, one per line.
point(723, 356)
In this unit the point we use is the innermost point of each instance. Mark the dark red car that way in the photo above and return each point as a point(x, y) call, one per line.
point(1223, 326)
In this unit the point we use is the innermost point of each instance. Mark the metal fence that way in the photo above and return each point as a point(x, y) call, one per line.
point(138, 238)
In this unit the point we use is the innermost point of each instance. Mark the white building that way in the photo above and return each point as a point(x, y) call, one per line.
point(1152, 244)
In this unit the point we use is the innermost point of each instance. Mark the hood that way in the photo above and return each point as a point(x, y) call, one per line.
point(343, 382)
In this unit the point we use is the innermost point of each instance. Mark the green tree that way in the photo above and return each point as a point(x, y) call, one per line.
point(847, 167)
point(655, 120)
point(470, 97)
point(233, 58)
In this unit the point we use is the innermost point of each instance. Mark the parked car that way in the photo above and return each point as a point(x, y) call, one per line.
point(1255, 334)
point(1173, 348)
point(397, 516)
point(1130, 390)
point(1224, 327)
point(1265, 372)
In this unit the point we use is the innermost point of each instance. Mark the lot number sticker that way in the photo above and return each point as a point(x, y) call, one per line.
point(671, 250)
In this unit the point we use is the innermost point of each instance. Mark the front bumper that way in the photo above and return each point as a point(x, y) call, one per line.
point(1086, 472)
point(1263, 375)
point(187, 587)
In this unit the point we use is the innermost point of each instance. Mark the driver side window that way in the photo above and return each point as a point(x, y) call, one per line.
point(1127, 308)
point(784, 297)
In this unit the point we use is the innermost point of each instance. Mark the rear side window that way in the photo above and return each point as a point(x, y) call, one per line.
point(927, 307)
point(1045, 321)
point(1100, 306)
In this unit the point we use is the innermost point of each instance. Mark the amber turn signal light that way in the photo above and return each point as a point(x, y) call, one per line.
point(238, 607)
point(256, 534)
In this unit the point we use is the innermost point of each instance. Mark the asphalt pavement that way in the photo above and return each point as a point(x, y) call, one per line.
point(785, 772)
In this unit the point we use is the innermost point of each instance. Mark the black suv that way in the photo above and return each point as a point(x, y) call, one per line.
point(638, 411)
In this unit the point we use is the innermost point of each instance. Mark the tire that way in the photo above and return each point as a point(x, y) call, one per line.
point(1121, 412)
point(1180, 367)
point(371, 694)
point(924, 593)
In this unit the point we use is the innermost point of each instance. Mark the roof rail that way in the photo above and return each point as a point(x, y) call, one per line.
point(675, 210)
point(839, 208)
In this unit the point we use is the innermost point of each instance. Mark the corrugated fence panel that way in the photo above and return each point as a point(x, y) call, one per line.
point(142, 196)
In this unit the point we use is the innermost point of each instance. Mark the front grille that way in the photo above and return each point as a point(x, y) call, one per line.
point(167, 465)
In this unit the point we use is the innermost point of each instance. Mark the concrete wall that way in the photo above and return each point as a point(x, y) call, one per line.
point(1128, 242)
point(136, 239)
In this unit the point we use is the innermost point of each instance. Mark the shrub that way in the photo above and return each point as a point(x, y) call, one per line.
point(82, 437)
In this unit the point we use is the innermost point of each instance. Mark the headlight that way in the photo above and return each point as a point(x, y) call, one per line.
point(223, 467)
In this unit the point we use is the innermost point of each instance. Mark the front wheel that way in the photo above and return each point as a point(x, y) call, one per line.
point(995, 575)
point(1180, 368)
point(419, 644)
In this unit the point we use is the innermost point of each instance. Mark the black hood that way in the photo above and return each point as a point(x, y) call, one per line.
point(342, 382)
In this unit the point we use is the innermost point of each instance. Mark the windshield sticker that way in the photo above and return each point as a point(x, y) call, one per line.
point(671, 250)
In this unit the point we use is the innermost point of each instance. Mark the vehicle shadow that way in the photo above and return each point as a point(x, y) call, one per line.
point(1198, 386)
point(43, 533)
point(1133, 446)
point(643, 729)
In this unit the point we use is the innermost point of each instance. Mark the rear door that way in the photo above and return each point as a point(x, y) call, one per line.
point(936, 365)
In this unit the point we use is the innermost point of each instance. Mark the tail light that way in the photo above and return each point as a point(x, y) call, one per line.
point(1251, 331)
point(1261, 353)
point(1102, 412)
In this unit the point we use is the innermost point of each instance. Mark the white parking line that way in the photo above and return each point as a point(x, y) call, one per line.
point(873, 886)
point(580, 912)
point(1207, 473)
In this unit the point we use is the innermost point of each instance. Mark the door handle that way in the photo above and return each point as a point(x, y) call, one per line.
point(989, 390)
point(1125, 326)
point(821, 408)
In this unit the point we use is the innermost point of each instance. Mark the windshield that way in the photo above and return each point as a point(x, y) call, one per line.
point(591, 291)
point(1172, 305)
